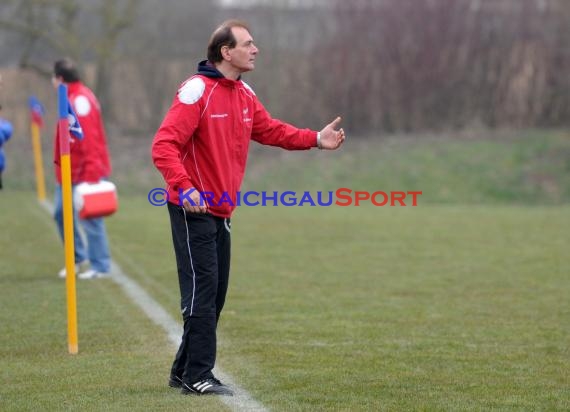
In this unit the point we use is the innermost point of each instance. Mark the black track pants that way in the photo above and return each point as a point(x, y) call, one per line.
point(202, 249)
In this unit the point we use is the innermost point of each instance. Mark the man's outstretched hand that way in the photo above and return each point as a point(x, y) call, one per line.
point(332, 139)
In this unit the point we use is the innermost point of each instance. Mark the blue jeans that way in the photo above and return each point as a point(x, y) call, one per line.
point(97, 244)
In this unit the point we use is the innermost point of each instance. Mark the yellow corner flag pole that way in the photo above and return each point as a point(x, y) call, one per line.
point(37, 147)
point(63, 135)
point(37, 112)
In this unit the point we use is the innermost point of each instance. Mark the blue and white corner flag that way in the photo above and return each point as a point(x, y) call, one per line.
point(74, 126)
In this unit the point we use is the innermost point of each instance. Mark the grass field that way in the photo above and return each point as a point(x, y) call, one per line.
point(344, 309)
point(517, 167)
point(487, 168)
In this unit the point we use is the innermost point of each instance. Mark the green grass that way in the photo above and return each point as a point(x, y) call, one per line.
point(511, 167)
point(123, 359)
point(528, 167)
point(460, 303)
point(435, 308)
point(426, 308)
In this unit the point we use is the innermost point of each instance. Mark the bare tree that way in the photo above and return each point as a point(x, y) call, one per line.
point(433, 64)
point(61, 28)
point(157, 55)
point(386, 65)
point(115, 19)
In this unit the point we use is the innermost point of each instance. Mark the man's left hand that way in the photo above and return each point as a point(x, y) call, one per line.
point(332, 139)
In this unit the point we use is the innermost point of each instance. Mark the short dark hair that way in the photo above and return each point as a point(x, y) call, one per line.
point(67, 70)
point(223, 36)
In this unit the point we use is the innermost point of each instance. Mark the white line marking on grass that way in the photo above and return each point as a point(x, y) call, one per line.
point(242, 400)
point(47, 205)
point(149, 306)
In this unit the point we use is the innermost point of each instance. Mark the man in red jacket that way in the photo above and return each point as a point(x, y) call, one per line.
point(200, 147)
point(89, 163)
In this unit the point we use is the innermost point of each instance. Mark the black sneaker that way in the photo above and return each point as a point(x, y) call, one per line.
point(175, 381)
point(210, 386)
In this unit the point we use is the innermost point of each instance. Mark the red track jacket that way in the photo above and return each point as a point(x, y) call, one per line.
point(89, 156)
point(204, 139)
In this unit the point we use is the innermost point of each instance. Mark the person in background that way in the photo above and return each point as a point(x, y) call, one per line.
point(6, 131)
point(90, 163)
point(202, 146)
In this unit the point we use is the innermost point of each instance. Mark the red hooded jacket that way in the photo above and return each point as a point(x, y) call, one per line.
point(89, 156)
point(204, 138)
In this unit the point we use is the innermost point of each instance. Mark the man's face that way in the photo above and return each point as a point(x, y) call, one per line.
point(242, 56)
